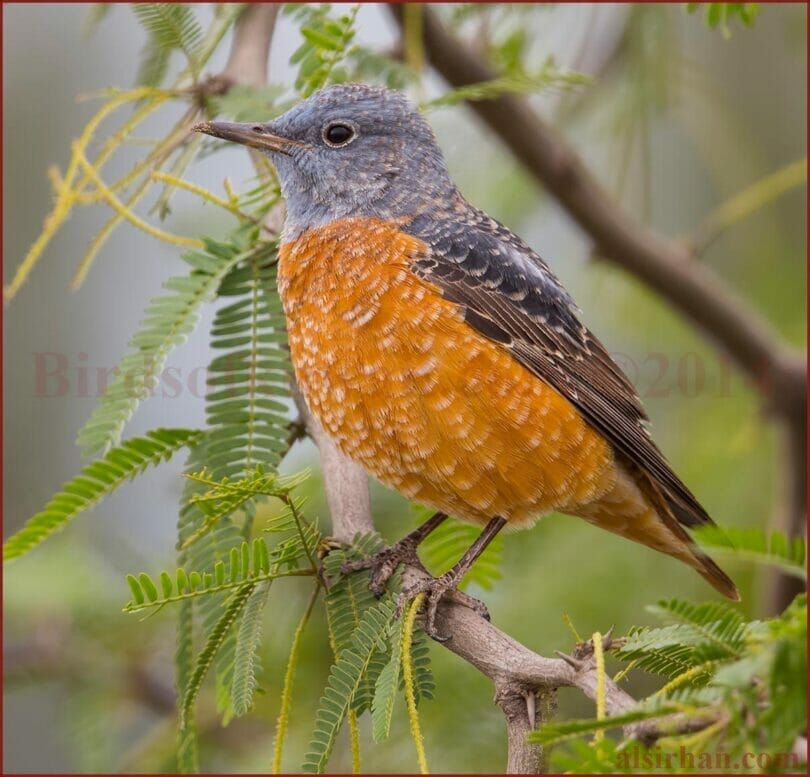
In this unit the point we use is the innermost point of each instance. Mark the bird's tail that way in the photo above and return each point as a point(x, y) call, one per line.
point(636, 510)
point(713, 575)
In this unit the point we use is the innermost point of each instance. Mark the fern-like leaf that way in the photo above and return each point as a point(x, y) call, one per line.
point(290, 545)
point(702, 637)
point(348, 596)
point(213, 643)
point(327, 42)
point(207, 544)
point(295, 537)
point(96, 481)
point(187, 758)
point(201, 556)
point(249, 378)
point(717, 624)
point(248, 562)
point(224, 497)
point(347, 600)
point(169, 319)
point(423, 682)
point(386, 687)
point(246, 659)
point(661, 651)
point(172, 26)
point(344, 682)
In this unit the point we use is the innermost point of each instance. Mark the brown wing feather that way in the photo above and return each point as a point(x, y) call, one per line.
point(510, 296)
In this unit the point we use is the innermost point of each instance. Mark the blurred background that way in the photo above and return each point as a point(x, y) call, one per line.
point(677, 120)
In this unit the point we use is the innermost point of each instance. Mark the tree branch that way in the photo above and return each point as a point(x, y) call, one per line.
point(344, 481)
point(250, 50)
point(778, 372)
point(524, 681)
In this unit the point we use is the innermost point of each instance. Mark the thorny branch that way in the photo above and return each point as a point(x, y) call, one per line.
point(776, 370)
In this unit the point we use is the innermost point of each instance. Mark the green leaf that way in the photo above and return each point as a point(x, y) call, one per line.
point(135, 588)
point(386, 687)
point(218, 543)
point(423, 682)
point(246, 661)
point(344, 682)
point(719, 14)
point(172, 26)
point(168, 321)
point(97, 480)
point(203, 584)
point(213, 643)
point(327, 43)
point(148, 587)
point(714, 624)
point(347, 600)
point(248, 428)
point(321, 39)
point(166, 584)
point(661, 651)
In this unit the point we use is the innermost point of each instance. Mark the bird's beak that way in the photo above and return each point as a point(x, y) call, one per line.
point(252, 135)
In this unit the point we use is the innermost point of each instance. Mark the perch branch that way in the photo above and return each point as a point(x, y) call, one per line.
point(520, 676)
point(777, 371)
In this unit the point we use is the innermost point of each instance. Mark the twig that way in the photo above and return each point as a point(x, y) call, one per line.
point(297, 431)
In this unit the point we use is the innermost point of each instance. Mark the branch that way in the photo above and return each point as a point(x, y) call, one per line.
point(520, 673)
point(250, 50)
point(522, 678)
point(778, 371)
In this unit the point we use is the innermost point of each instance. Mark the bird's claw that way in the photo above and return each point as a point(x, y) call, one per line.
point(436, 589)
point(383, 564)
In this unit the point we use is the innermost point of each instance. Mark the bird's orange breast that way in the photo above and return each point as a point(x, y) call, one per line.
point(417, 396)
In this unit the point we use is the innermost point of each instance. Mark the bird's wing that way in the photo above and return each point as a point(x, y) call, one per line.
point(509, 295)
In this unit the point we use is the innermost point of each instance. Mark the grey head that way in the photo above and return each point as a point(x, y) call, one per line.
point(349, 151)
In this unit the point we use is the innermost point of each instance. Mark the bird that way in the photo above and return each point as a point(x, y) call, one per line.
point(438, 349)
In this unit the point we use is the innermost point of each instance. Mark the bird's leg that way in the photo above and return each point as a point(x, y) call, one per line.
point(436, 588)
point(385, 563)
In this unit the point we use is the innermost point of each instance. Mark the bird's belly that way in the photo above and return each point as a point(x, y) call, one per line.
point(425, 403)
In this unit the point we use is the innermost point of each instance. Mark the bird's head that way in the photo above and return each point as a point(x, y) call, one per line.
point(349, 150)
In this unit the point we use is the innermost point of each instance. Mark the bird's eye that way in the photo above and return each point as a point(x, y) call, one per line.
point(338, 134)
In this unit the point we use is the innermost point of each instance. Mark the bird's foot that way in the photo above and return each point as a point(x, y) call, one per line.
point(384, 563)
point(436, 589)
